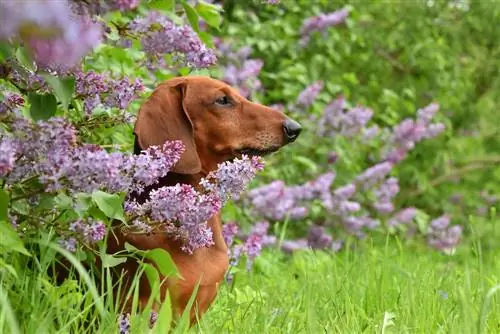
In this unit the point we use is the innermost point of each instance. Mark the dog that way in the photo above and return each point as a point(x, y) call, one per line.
point(216, 124)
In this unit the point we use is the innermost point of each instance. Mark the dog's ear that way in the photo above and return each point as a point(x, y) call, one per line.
point(163, 117)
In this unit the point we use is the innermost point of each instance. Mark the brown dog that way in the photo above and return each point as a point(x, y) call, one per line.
point(216, 124)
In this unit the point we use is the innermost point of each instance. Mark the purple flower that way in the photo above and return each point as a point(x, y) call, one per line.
point(337, 119)
point(442, 236)
point(321, 23)
point(124, 323)
point(8, 157)
point(68, 244)
point(160, 36)
point(89, 230)
point(318, 238)
point(405, 216)
point(57, 37)
point(345, 192)
point(374, 174)
point(229, 230)
point(290, 246)
point(233, 177)
point(122, 92)
point(153, 318)
point(308, 95)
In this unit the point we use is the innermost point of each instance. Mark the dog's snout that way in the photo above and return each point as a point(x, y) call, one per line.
point(292, 129)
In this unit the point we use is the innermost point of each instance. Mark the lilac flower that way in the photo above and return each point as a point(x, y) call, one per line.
point(153, 318)
point(318, 238)
point(68, 244)
point(337, 119)
point(122, 92)
point(374, 174)
point(8, 157)
point(307, 97)
point(160, 36)
point(345, 192)
point(233, 177)
point(124, 323)
point(229, 231)
point(124, 5)
point(384, 194)
point(409, 132)
point(57, 37)
point(239, 71)
point(442, 236)
point(290, 246)
point(89, 230)
point(321, 23)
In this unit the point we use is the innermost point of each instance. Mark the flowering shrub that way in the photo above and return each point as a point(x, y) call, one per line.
point(72, 74)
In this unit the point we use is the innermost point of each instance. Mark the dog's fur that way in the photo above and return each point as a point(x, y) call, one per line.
point(194, 110)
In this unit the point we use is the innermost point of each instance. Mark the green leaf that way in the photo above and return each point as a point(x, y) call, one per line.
point(162, 5)
point(10, 240)
point(24, 58)
point(163, 261)
point(110, 204)
point(5, 51)
point(109, 260)
point(152, 275)
point(43, 106)
point(4, 205)
point(306, 162)
point(192, 16)
point(63, 88)
point(164, 321)
point(210, 13)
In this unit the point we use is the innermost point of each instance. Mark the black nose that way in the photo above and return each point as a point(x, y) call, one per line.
point(292, 129)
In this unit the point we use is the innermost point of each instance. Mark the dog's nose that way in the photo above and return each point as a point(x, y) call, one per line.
point(292, 129)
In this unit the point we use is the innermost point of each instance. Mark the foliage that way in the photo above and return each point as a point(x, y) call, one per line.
point(398, 105)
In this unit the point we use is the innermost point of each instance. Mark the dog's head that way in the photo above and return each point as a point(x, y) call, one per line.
point(214, 122)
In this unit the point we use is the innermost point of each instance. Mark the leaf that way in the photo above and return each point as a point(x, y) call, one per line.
point(109, 261)
point(110, 204)
point(24, 58)
point(162, 5)
point(164, 321)
point(10, 240)
point(63, 88)
point(163, 260)
point(43, 106)
point(306, 162)
point(210, 13)
point(5, 51)
point(152, 275)
point(192, 16)
point(4, 205)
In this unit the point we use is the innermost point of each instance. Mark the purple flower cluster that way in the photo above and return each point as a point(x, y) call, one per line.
point(48, 150)
point(337, 119)
point(252, 243)
point(384, 195)
point(8, 157)
point(239, 70)
point(160, 37)
point(11, 102)
point(231, 178)
point(321, 23)
point(57, 37)
point(307, 97)
point(95, 88)
point(442, 236)
point(403, 217)
point(88, 230)
point(124, 323)
point(409, 132)
point(183, 211)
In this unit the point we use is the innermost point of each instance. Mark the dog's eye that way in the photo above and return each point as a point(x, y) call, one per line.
point(223, 101)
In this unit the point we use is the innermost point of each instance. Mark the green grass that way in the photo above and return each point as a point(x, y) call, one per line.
point(389, 289)
point(374, 287)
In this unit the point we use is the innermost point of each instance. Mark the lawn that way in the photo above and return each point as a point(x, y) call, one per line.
point(391, 289)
